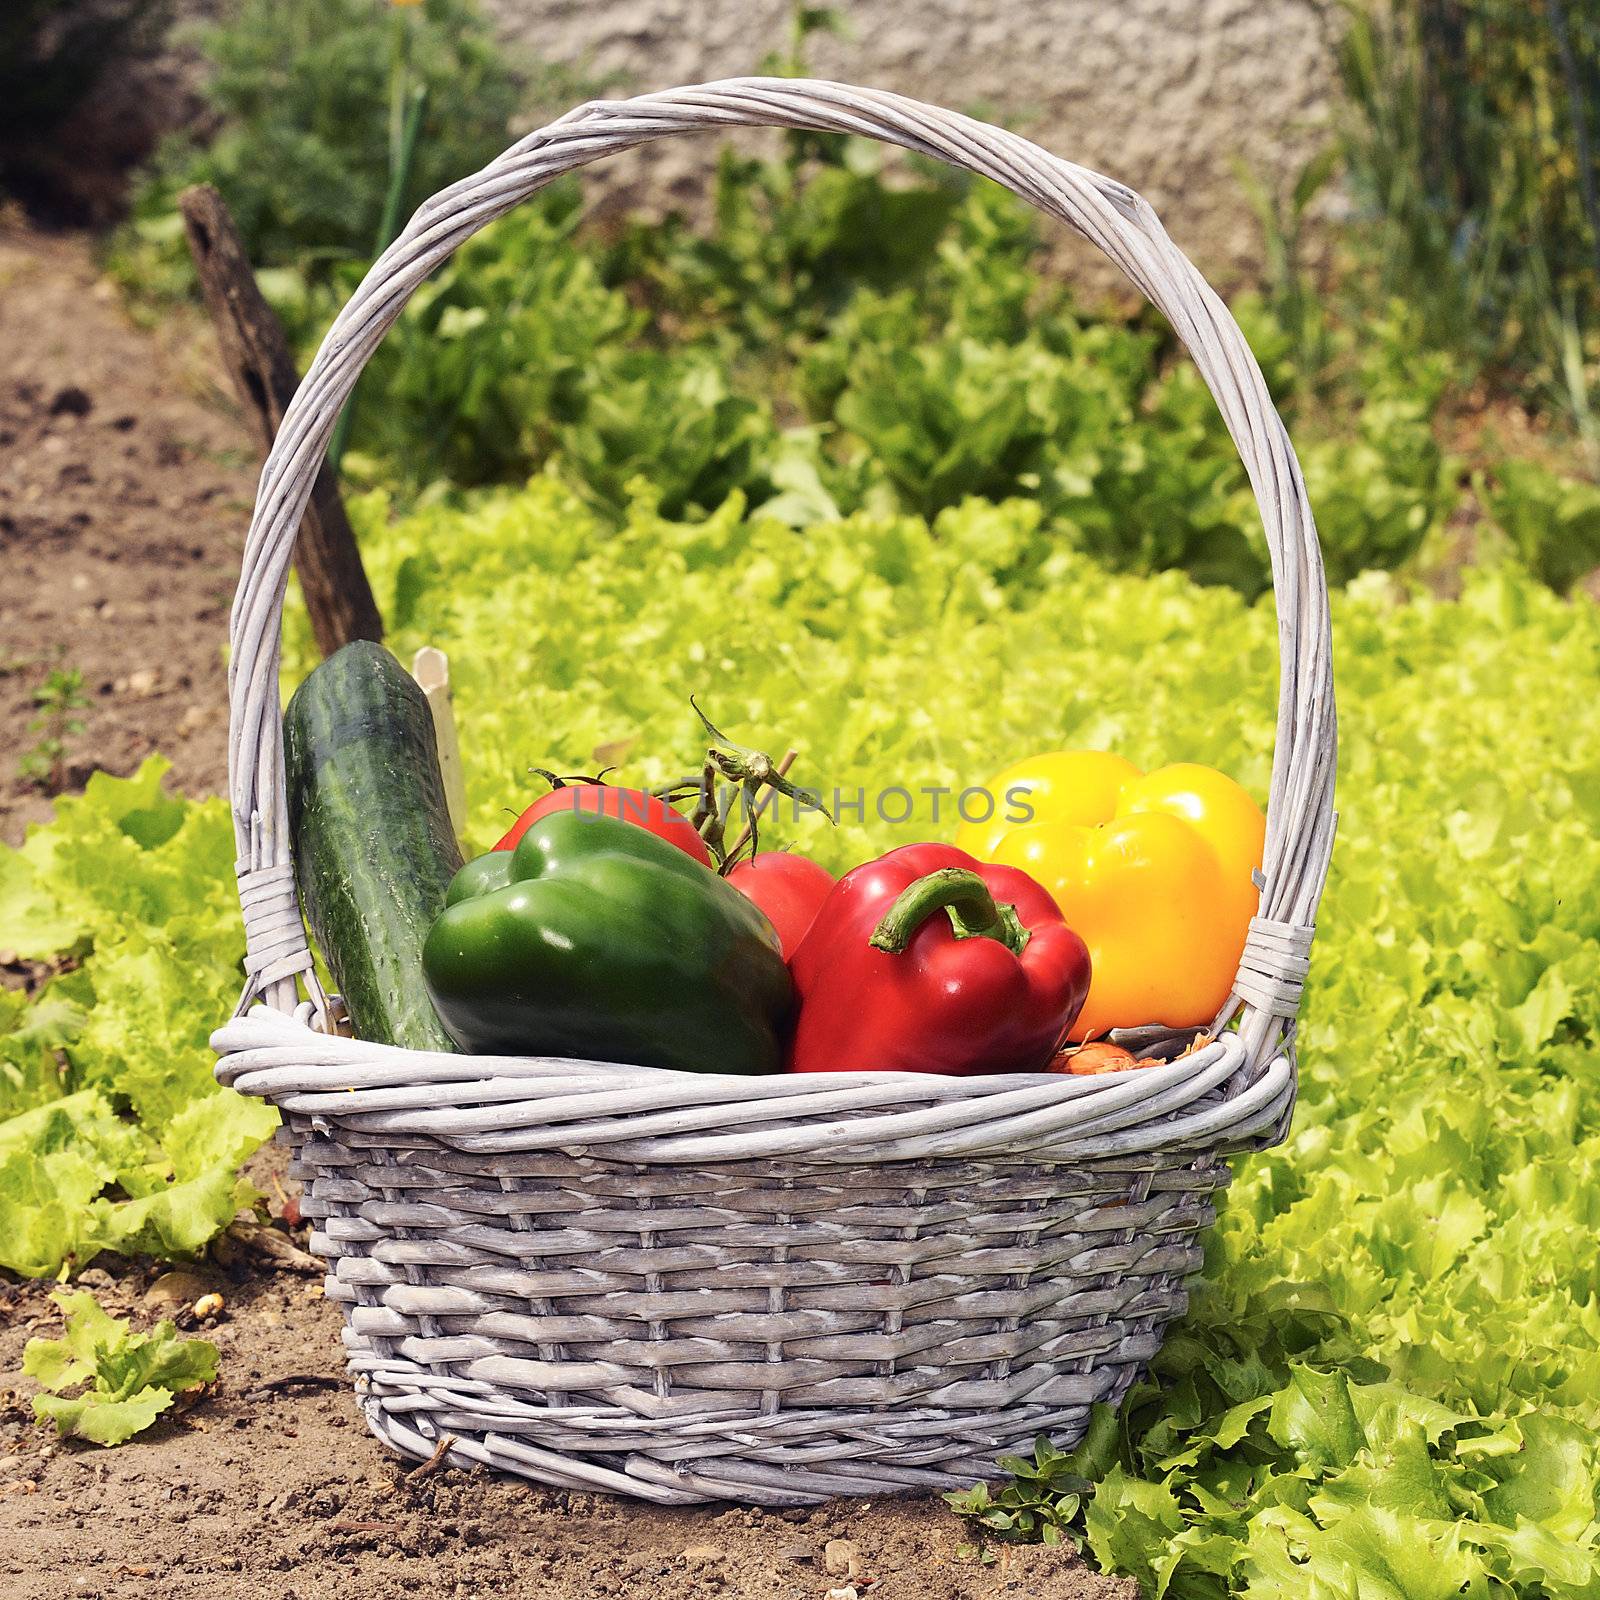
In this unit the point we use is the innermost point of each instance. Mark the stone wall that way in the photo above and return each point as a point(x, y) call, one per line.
point(1166, 95)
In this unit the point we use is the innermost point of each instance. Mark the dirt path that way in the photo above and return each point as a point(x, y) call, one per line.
point(125, 490)
point(270, 1485)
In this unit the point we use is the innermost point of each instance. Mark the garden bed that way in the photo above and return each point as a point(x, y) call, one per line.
point(988, 518)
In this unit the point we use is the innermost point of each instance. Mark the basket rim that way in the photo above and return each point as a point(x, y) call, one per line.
point(492, 1106)
point(1300, 815)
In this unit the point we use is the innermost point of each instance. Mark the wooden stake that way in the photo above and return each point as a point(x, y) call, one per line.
point(256, 354)
point(431, 668)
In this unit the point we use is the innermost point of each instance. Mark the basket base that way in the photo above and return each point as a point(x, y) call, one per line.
point(775, 1334)
point(755, 1478)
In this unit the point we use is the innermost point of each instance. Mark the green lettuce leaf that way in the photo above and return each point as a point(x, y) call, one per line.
point(113, 1133)
point(131, 1378)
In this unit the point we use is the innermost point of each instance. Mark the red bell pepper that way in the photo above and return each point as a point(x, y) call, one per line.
point(789, 888)
point(926, 960)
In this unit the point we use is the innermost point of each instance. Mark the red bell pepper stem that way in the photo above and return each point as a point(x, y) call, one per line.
point(973, 912)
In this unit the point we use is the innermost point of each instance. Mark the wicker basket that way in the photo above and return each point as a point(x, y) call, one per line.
point(692, 1286)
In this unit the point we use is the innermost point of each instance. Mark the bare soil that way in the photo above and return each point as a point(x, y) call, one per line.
point(125, 491)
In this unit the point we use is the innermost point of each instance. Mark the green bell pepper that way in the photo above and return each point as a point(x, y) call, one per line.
point(596, 939)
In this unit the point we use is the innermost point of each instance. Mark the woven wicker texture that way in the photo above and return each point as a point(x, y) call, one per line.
point(686, 1286)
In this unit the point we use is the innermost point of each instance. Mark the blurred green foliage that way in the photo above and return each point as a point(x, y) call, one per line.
point(1552, 521)
point(301, 97)
point(848, 332)
point(712, 360)
point(1470, 139)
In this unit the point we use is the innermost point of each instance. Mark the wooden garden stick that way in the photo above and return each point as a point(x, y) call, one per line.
point(435, 1461)
point(256, 354)
point(431, 668)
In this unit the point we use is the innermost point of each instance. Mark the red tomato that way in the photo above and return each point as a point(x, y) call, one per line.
point(631, 805)
point(789, 888)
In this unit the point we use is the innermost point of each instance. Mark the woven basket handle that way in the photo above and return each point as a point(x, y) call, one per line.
point(1300, 811)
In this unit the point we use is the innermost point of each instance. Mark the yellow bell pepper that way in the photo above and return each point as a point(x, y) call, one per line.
point(1152, 870)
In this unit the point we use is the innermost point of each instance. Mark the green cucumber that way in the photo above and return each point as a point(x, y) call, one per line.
point(374, 849)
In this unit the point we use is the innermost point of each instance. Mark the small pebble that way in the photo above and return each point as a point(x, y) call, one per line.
point(176, 1289)
point(839, 1558)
